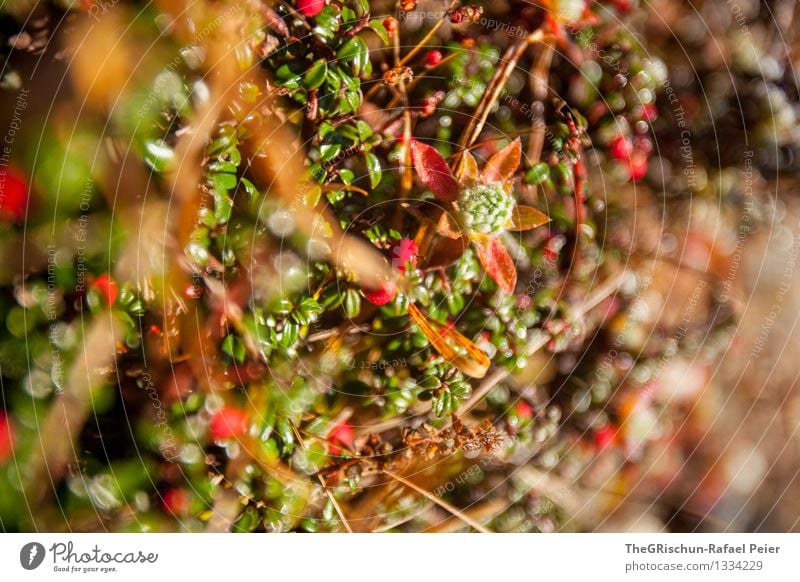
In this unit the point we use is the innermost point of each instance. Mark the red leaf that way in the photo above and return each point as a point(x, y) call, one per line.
point(434, 171)
point(496, 261)
point(503, 164)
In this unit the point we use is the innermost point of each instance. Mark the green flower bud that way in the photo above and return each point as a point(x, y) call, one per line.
point(485, 208)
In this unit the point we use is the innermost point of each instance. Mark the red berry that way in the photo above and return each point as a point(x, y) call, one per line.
point(621, 148)
point(227, 423)
point(13, 196)
point(310, 8)
point(523, 410)
point(390, 24)
point(433, 58)
point(428, 107)
point(107, 288)
point(6, 438)
point(176, 501)
point(342, 434)
point(637, 167)
point(383, 295)
point(405, 252)
point(623, 6)
point(604, 437)
point(192, 291)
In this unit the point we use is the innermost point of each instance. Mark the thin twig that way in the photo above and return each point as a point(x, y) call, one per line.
point(498, 82)
point(539, 73)
point(321, 479)
point(486, 510)
point(405, 519)
point(440, 502)
point(430, 34)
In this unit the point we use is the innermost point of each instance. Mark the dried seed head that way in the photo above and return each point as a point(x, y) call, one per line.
point(393, 76)
point(408, 5)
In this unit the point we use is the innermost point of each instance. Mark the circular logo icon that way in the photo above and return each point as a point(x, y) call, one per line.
point(31, 555)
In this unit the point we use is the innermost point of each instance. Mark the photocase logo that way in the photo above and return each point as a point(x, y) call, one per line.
point(31, 555)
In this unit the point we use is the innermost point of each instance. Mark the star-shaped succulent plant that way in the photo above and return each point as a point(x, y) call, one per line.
point(483, 204)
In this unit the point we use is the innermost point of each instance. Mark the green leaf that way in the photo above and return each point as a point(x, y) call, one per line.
point(380, 30)
point(329, 151)
point(334, 81)
point(374, 168)
point(158, 155)
point(331, 297)
point(290, 333)
point(346, 176)
point(352, 303)
point(223, 182)
point(356, 52)
point(349, 132)
point(233, 346)
point(348, 16)
point(249, 187)
point(222, 167)
point(315, 76)
point(223, 205)
point(364, 130)
point(353, 99)
point(327, 22)
point(283, 306)
point(286, 433)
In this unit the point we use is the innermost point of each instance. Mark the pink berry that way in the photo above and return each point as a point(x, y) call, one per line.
point(649, 113)
point(342, 434)
point(405, 252)
point(621, 148)
point(433, 58)
point(643, 144)
point(383, 295)
point(13, 196)
point(227, 423)
point(107, 288)
point(310, 8)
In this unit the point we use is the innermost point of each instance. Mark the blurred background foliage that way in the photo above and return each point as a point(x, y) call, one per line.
point(227, 302)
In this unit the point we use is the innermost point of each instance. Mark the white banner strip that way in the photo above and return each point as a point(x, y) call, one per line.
point(399, 557)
